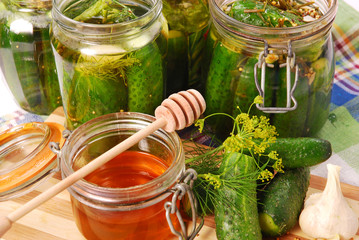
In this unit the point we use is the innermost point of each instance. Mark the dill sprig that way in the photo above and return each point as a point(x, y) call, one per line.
point(105, 67)
point(251, 135)
point(100, 11)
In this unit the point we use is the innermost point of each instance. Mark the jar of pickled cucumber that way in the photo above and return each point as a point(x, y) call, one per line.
point(110, 56)
point(279, 50)
point(26, 57)
point(131, 196)
point(188, 24)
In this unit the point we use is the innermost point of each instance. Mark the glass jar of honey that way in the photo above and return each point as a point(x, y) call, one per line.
point(268, 49)
point(110, 57)
point(124, 198)
point(26, 57)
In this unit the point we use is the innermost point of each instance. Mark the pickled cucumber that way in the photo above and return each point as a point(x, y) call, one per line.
point(145, 80)
point(27, 59)
point(233, 90)
point(115, 72)
point(270, 16)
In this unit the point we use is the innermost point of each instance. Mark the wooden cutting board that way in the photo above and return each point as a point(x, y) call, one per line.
point(54, 220)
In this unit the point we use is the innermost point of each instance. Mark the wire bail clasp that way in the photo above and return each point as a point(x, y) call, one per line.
point(291, 102)
point(55, 148)
point(180, 189)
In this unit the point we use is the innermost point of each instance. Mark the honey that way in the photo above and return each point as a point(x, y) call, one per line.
point(125, 198)
point(128, 169)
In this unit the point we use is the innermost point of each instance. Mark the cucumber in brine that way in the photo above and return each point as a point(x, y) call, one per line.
point(291, 123)
point(145, 80)
point(246, 89)
point(97, 87)
point(48, 73)
point(177, 62)
point(22, 43)
point(246, 11)
point(196, 45)
point(29, 70)
point(220, 83)
point(319, 95)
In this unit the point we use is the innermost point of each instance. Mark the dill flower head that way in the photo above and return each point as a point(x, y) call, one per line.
point(278, 164)
point(258, 100)
point(200, 124)
point(212, 179)
point(265, 175)
point(252, 133)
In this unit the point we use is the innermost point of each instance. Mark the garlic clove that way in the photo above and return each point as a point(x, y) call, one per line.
point(328, 214)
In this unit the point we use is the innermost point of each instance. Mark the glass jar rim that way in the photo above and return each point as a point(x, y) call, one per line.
point(33, 4)
point(30, 159)
point(151, 189)
point(128, 27)
point(262, 33)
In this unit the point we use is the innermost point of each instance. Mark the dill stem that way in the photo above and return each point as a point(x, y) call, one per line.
point(253, 10)
point(304, 4)
point(190, 160)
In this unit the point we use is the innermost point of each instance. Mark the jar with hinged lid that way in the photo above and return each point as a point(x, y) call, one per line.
point(110, 56)
point(25, 157)
point(136, 195)
point(26, 58)
point(254, 50)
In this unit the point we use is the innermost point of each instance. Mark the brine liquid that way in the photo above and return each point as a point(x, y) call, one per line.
point(128, 169)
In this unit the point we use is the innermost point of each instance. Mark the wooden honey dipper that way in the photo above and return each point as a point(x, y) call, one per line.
point(175, 113)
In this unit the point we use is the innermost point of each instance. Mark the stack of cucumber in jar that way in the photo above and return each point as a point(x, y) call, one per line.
point(26, 58)
point(188, 25)
point(234, 48)
point(118, 65)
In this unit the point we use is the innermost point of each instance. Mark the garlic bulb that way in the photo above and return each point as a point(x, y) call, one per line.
point(328, 214)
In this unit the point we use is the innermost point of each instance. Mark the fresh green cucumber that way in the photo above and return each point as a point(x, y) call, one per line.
point(301, 152)
point(145, 80)
point(237, 217)
point(281, 201)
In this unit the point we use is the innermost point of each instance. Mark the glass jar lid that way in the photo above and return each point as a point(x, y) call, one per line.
point(25, 157)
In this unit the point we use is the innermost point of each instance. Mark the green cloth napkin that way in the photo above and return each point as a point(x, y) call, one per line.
point(342, 127)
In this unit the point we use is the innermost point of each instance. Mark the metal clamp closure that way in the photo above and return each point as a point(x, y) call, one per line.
point(180, 189)
point(291, 103)
point(55, 147)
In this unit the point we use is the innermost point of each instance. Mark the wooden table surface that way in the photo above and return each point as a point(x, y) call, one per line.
point(53, 220)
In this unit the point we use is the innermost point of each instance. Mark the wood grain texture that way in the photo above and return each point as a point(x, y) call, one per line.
point(54, 220)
